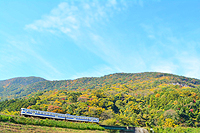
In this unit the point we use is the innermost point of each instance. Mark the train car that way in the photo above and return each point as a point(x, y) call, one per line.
point(44, 114)
point(38, 113)
point(82, 118)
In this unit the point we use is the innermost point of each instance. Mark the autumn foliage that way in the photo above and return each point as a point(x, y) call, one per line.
point(150, 99)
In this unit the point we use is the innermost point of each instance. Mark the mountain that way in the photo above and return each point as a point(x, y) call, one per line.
point(11, 87)
point(20, 87)
point(122, 99)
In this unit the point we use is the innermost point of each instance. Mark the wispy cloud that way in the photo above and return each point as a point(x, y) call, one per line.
point(23, 54)
point(164, 66)
point(29, 50)
point(72, 19)
point(180, 54)
point(190, 63)
point(81, 22)
point(85, 22)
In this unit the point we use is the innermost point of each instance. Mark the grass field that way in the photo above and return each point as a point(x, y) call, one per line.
point(7, 127)
point(11, 124)
point(50, 123)
point(176, 130)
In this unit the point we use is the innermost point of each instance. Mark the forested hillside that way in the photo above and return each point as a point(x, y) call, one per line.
point(20, 87)
point(12, 87)
point(144, 99)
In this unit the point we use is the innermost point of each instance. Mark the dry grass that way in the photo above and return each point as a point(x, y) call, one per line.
point(6, 127)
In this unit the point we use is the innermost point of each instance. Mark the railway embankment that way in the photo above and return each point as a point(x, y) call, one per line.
point(50, 123)
point(8, 127)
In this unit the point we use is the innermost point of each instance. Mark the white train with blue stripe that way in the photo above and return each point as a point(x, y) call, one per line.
point(44, 114)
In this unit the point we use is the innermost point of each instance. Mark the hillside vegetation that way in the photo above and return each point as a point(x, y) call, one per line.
point(20, 87)
point(144, 99)
point(12, 88)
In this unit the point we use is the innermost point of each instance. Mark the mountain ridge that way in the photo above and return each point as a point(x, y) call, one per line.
point(11, 86)
point(23, 86)
point(122, 99)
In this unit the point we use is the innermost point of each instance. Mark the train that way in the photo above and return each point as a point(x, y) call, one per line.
point(59, 116)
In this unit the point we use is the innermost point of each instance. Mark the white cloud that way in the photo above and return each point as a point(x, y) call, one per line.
point(76, 17)
point(164, 66)
point(23, 55)
point(81, 22)
point(190, 64)
point(181, 55)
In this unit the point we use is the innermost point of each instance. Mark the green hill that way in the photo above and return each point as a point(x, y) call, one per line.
point(20, 87)
point(121, 99)
point(12, 87)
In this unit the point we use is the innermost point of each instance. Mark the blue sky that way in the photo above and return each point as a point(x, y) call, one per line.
point(69, 39)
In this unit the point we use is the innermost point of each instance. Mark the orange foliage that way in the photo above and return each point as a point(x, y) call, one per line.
point(157, 95)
